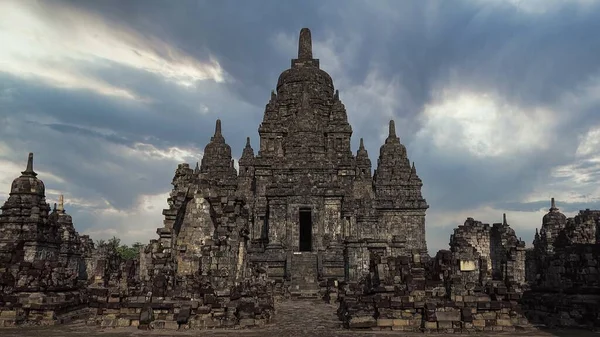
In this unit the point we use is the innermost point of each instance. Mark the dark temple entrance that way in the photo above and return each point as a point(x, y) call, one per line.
point(305, 230)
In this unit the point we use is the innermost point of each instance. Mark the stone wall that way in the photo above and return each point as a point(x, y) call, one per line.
point(246, 305)
point(568, 293)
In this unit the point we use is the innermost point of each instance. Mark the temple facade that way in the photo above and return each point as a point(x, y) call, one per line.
point(311, 206)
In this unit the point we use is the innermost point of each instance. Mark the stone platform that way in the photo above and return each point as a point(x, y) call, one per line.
point(293, 318)
point(36, 308)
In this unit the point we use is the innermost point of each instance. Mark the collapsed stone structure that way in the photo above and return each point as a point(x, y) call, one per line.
point(302, 215)
point(474, 286)
point(563, 271)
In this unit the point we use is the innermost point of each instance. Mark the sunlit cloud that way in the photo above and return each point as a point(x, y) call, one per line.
point(485, 125)
point(538, 7)
point(56, 44)
point(147, 212)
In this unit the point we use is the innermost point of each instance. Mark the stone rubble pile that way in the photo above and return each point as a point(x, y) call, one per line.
point(564, 272)
point(414, 295)
point(453, 292)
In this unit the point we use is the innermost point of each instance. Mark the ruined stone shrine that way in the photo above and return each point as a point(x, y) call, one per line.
point(42, 270)
point(313, 208)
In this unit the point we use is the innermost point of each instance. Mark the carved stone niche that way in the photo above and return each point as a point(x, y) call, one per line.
point(467, 265)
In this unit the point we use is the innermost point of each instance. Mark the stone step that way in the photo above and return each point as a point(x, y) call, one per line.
point(305, 294)
point(304, 286)
point(304, 273)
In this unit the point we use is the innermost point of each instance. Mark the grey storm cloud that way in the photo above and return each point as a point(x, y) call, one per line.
point(530, 59)
point(164, 123)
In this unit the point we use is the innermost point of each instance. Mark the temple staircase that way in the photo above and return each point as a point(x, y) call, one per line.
point(304, 275)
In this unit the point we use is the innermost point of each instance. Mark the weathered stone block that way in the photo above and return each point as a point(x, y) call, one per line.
point(385, 322)
point(362, 322)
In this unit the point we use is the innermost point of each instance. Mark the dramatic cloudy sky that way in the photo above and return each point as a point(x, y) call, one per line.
point(498, 102)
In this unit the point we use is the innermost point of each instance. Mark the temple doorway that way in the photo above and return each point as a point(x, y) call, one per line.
point(305, 230)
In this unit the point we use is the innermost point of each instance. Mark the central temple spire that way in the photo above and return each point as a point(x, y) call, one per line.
point(305, 45)
point(392, 129)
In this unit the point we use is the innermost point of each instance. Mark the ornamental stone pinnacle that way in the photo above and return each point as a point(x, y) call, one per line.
point(61, 203)
point(305, 45)
point(29, 169)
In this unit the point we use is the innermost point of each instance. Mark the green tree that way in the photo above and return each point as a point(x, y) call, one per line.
point(114, 246)
point(129, 253)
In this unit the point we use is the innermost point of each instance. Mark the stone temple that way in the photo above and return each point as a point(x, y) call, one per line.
point(303, 217)
point(313, 206)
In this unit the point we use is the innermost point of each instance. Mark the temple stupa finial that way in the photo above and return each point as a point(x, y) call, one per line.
point(29, 169)
point(305, 45)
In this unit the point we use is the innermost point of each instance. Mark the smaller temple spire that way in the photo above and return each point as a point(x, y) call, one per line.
point(61, 203)
point(552, 205)
point(504, 219)
point(218, 128)
point(29, 170)
point(362, 153)
point(336, 96)
point(218, 137)
point(305, 45)
point(392, 137)
point(247, 153)
point(197, 168)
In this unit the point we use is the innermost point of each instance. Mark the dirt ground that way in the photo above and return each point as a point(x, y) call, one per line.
point(293, 318)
